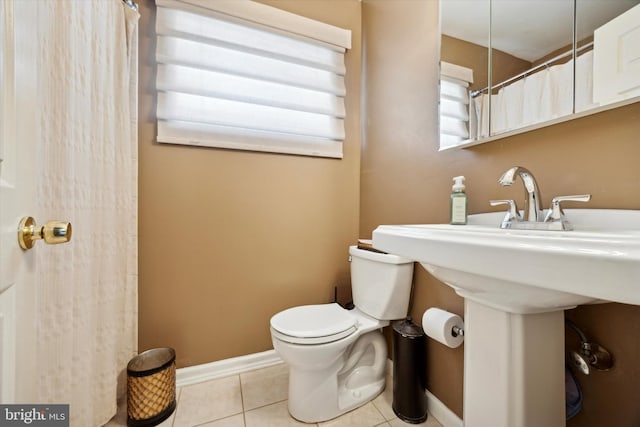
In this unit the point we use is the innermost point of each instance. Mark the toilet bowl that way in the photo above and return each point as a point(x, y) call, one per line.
point(337, 357)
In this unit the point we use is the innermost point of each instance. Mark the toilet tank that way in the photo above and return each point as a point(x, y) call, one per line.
point(380, 283)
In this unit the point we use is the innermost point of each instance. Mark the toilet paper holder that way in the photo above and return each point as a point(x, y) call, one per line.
point(443, 326)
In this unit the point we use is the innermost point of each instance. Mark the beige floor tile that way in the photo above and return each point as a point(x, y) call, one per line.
point(276, 415)
point(219, 403)
point(233, 421)
point(430, 422)
point(365, 416)
point(120, 419)
point(264, 386)
point(209, 401)
point(384, 401)
point(169, 421)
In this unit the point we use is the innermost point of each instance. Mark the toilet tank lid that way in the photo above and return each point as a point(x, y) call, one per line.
point(377, 256)
point(310, 321)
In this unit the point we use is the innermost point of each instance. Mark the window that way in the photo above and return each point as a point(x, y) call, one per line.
point(454, 104)
point(239, 74)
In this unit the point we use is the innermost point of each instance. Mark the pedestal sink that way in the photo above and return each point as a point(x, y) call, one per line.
point(516, 284)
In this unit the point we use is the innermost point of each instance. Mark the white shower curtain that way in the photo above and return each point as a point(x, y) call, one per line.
point(87, 173)
point(539, 97)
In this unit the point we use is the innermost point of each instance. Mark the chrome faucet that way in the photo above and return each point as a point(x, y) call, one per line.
point(532, 207)
point(533, 217)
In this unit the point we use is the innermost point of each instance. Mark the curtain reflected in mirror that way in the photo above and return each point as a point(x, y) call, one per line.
point(528, 69)
point(534, 44)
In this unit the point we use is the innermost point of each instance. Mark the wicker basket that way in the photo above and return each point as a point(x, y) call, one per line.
point(151, 387)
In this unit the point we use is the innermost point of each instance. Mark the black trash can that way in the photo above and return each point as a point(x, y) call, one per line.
point(409, 372)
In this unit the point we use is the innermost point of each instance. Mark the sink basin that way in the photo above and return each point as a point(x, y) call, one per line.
point(528, 271)
point(516, 284)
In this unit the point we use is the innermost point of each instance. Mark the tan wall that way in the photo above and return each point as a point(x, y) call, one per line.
point(460, 52)
point(406, 180)
point(229, 238)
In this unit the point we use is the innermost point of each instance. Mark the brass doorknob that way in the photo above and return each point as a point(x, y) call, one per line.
point(53, 232)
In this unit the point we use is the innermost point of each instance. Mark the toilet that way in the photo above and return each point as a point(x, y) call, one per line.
point(337, 357)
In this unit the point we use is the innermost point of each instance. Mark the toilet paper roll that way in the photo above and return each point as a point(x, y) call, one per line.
point(438, 324)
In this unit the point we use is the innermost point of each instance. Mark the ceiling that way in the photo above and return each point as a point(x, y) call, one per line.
point(527, 29)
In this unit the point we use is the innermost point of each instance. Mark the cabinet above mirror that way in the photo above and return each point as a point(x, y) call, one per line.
point(511, 66)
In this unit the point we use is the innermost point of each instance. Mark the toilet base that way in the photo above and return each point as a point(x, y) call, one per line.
point(352, 381)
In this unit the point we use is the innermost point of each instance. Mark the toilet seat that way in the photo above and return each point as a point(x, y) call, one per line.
point(313, 324)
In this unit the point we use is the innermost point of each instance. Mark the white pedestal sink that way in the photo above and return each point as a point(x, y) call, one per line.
point(516, 284)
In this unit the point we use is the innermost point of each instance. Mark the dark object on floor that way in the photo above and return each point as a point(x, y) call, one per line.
point(409, 372)
point(573, 394)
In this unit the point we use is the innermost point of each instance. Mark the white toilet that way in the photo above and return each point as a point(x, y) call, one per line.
point(337, 357)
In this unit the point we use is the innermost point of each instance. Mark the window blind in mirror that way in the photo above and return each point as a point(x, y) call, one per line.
point(454, 104)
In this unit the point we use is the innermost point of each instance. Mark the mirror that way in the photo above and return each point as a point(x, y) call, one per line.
point(527, 53)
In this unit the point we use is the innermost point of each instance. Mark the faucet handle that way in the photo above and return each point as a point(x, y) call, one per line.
point(555, 211)
point(512, 213)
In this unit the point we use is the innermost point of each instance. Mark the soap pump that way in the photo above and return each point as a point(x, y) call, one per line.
point(458, 202)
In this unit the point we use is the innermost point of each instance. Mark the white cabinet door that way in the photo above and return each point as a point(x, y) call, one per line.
point(616, 61)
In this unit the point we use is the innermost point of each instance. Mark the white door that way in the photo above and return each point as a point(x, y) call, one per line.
point(18, 138)
point(616, 58)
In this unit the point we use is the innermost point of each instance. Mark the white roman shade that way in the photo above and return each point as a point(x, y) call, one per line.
point(239, 74)
point(454, 104)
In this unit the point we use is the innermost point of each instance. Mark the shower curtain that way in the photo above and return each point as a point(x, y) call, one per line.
point(539, 97)
point(87, 173)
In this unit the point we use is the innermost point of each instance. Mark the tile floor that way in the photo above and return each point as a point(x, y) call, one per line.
point(259, 399)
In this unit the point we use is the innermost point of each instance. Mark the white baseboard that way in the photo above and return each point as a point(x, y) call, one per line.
point(237, 365)
point(224, 368)
point(441, 412)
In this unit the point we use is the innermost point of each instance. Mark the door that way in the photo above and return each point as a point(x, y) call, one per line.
point(18, 151)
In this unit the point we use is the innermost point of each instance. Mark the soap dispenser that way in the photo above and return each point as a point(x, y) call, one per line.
point(458, 202)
